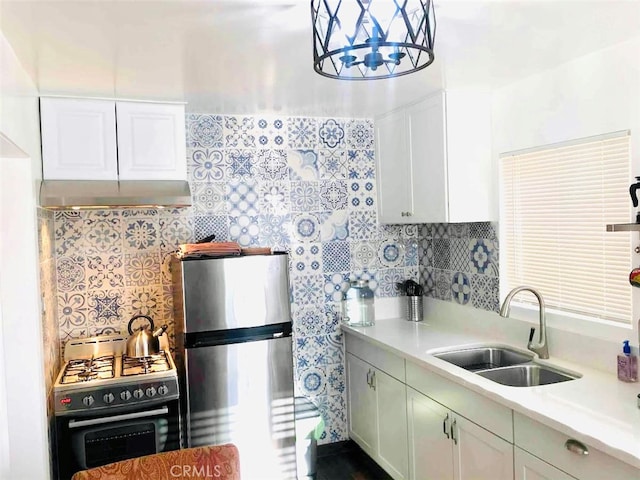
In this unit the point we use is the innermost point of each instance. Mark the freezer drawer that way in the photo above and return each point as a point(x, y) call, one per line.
point(243, 393)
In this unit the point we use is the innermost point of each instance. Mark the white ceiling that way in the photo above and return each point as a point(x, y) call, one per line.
point(255, 56)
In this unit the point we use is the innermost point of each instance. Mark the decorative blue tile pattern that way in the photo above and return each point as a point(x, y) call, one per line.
point(331, 133)
point(302, 132)
point(305, 196)
point(361, 164)
point(241, 163)
point(332, 164)
point(272, 165)
point(360, 134)
point(306, 227)
point(306, 259)
point(238, 132)
point(334, 226)
point(303, 165)
point(207, 166)
point(336, 257)
point(241, 197)
point(204, 131)
point(333, 195)
point(270, 133)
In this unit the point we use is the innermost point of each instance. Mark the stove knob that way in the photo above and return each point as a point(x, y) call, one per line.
point(88, 400)
point(163, 390)
point(138, 393)
point(125, 395)
point(151, 391)
point(108, 398)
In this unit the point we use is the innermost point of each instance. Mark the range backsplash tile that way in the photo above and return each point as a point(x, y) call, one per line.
point(304, 185)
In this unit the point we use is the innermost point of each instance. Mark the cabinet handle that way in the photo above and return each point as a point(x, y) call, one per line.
point(409, 214)
point(453, 429)
point(369, 378)
point(574, 446)
point(373, 380)
point(445, 430)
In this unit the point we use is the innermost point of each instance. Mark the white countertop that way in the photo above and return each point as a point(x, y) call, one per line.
point(597, 408)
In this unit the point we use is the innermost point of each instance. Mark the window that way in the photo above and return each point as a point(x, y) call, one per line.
point(555, 205)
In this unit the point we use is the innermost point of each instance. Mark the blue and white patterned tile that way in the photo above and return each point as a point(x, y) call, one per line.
point(458, 254)
point(142, 268)
point(312, 380)
point(70, 272)
point(331, 133)
point(105, 271)
point(306, 259)
point(332, 315)
point(426, 252)
point(360, 134)
point(217, 225)
point(275, 230)
point(206, 165)
point(442, 284)
point(333, 411)
point(272, 164)
point(424, 230)
point(390, 232)
point(460, 288)
point(242, 197)
point(482, 257)
point(411, 253)
point(306, 227)
point(483, 230)
point(138, 234)
point(73, 311)
point(332, 164)
point(165, 269)
point(240, 163)
point(427, 280)
point(362, 195)
point(303, 165)
point(363, 225)
point(409, 232)
point(308, 290)
point(144, 300)
point(129, 213)
point(72, 334)
point(106, 307)
point(321, 350)
point(336, 380)
point(361, 164)
point(391, 254)
point(244, 229)
point(364, 255)
point(274, 197)
point(367, 275)
point(305, 196)
point(103, 234)
point(208, 197)
point(175, 230)
point(388, 279)
point(334, 286)
point(485, 292)
point(308, 321)
point(442, 253)
point(204, 131)
point(333, 195)
point(440, 231)
point(336, 257)
point(459, 230)
point(334, 226)
point(270, 132)
point(302, 132)
point(238, 132)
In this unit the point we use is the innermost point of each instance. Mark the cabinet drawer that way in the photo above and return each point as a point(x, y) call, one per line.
point(387, 362)
point(488, 414)
point(549, 445)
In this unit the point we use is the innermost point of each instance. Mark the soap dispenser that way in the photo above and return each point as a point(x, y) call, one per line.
point(627, 364)
point(634, 197)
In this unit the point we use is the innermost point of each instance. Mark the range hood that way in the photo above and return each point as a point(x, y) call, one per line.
point(94, 194)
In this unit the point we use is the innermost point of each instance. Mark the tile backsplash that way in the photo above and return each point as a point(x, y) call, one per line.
point(305, 185)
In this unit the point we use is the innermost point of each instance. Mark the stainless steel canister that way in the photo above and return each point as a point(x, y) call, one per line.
point(414, 308)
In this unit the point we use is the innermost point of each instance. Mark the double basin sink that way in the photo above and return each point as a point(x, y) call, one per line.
point(504, 365)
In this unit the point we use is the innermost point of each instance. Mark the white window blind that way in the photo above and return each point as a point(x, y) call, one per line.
point(556, 202)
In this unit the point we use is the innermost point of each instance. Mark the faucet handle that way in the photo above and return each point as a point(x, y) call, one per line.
point(531, 333)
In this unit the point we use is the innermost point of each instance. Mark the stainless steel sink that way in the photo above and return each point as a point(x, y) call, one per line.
point(483, 358)
point(529, 375)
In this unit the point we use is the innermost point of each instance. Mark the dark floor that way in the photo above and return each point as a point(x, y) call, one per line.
point(347, 461)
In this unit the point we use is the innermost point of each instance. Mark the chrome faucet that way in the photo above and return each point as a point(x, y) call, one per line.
point(540, 347)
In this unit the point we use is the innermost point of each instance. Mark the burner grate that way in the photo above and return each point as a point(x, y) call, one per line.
point(85, 369)
point(142, 365)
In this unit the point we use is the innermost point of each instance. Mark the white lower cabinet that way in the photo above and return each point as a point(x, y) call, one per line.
point(528, 467)
point(378, 415)
point(446, 446)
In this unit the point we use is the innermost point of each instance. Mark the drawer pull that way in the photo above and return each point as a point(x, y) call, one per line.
point(576, 447)
point(444, 426)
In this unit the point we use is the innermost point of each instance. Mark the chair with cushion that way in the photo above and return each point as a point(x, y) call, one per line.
point(220, 462)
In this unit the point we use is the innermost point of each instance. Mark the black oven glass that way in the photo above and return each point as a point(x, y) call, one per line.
point(120, 443)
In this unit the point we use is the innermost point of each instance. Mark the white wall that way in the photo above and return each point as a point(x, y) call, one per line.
point(23, 419)
point(594, 94)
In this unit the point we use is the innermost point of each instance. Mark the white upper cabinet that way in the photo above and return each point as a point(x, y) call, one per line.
point(151, 141)
point(78, 139)
point(434, 160)
point(85, 139)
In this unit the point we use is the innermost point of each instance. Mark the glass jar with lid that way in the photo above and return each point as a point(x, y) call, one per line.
point(358, 308)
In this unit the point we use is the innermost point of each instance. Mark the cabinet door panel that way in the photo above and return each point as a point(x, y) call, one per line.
point(151, 141)
point(361, 404)
point(428, 160)
point(392, 424)
point(78, 139)
point(529, 467)
point(393, 173)
point(479, 454)
point(430, 448)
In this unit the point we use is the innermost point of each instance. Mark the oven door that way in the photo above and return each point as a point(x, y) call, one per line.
point(101, 440)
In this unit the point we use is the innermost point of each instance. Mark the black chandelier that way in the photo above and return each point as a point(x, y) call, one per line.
point(371, 39)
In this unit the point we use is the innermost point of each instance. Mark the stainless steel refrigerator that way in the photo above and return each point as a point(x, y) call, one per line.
point(234, 351)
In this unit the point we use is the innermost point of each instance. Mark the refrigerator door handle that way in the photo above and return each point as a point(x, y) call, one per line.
point(278, 335)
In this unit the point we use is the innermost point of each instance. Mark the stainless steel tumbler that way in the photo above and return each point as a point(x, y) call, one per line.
point(414, 308)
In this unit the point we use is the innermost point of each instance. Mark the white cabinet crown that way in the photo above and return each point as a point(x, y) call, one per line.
point(86, 139)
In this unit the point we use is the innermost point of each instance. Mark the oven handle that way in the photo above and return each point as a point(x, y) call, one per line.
point(118, 418)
